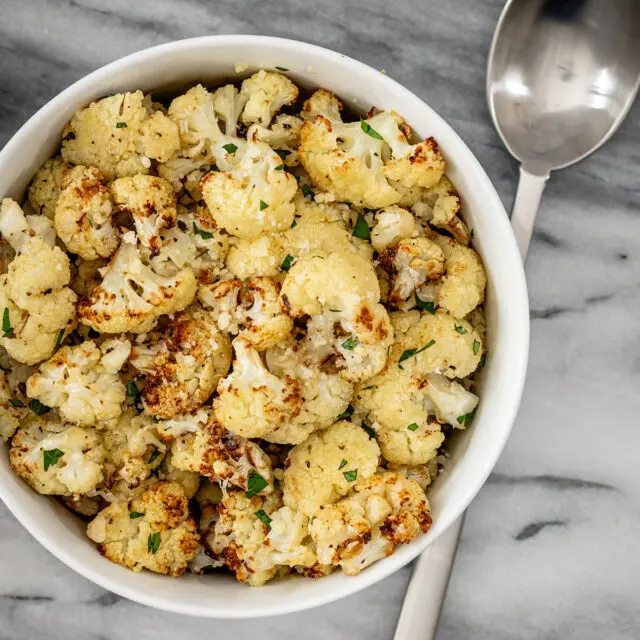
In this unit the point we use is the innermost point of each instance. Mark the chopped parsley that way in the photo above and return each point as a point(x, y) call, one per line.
point(214, 168)
point(156, 419)
point(205, 235)
point(51, 458)
point(263, 205)
point(369, 130)
point(230, 148)
point(153, 456)
point(413, 427)
point(294, 223)
point(59, 338)
point(255, 484)
point(280, 167)
point(350, 343)
point(153, 542)
point(38, 408)
point(335, 310)
point(483, 360)
point(409, 353)
point(306, 192)
point(343, 464)
point(16, 403)
point(465, 419)
point(460, 329)
point(93, 333)
point(347, 413)
point(261, 515)
point(425, 305)
point(371, 433)
point(371, 386)
point(476, 346)
point(7, 331)
point(121, 125)
point(286, 263)
point(135, 514)
point(281, 68)
point(132, 390)
point(350, 476)
point(361, 230)
point(170, 332)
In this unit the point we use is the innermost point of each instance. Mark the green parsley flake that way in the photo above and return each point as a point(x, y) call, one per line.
point(38, 408)
point(413, 427)
point(51, 458)
point(371, 386)
point(280, 167)
point(343, 464)
point(409, 353)
point(153, 542)
point(461, 330)
point(16, 403)
point(230, 148)
point(214, 168)
point(361, 230)
point(369, 130)
point(135, 514)
point(261, 515)
point(350, 343)
point(350, 476)
point(483, 360)
point(425, 305)
point(286, 263)
point(255, 484)
point(121, 125)
point(476, 347)
point(59, 338)
point(153, 456)
point(335, 310)
point(132, 390)
point(281, 68)
point(263, 205)
point(306, 192)
point(465, 419)
point(294, 223)
point(6, 324)
point(205, 235)
point(347, 413)
point(369, 430)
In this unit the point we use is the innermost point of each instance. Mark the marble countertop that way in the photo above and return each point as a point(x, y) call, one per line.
point(550, 548)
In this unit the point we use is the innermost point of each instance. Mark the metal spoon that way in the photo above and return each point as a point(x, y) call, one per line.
point(561, 77)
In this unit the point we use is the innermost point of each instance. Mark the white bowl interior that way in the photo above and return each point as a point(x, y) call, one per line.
point(474, 452)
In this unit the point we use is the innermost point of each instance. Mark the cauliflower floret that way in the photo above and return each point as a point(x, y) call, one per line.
point(86, 275)
point(392, 225)
point(408, 446)
point(410, 263)
point(18, 229)
point(84, 213)
point(160, 137)
point(251, 401)
point(255, 307)
point(478, 321)
point(184, 367)
point(39, 310)
point(255, 196)
point(107, 135)
point(453, 403)
point(83, 382)
point(256, 537)
point(194, 242)
point(12, 411)
point(57, 459)
point(327, 465)
point(152, 203)
point(201, 444)
point(266, 92)
point(188, 480)
point(261, 256)
point(383, 511)
point(283, 136)
point(117, 306)
point(45, 187)
point(463, 285)
point(423, 474)
point(322, 103)
point(228, 103)
point(153, 531)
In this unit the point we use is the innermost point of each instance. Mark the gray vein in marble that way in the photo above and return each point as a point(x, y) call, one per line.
point(533, 529)
point(549, 481)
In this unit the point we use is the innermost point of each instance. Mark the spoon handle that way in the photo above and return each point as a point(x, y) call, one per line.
point(430, 577)
point(525, 208)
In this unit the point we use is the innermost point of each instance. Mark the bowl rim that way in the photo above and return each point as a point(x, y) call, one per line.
point(509, 405)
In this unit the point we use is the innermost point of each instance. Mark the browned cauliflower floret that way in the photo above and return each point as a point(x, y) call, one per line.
point(257, 536)
point(262, 256)
point(160, 137)
point(322, 103)
point(382, 512)
point(83, 214)
point(57, 459)
point(253, 309)
point(392, 225)
point(184, 366)
point(117, 306)
point(199, 443)
point(283, 136)
point(266, 92)
point(153, 531)
point(45, 187)
point(327, 465)
point(82, 382)
point(410, 263)
point(12, 410)
point(251, 401)
point(151, 202)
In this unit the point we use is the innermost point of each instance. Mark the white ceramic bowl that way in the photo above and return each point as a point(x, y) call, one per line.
point(475, 453)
